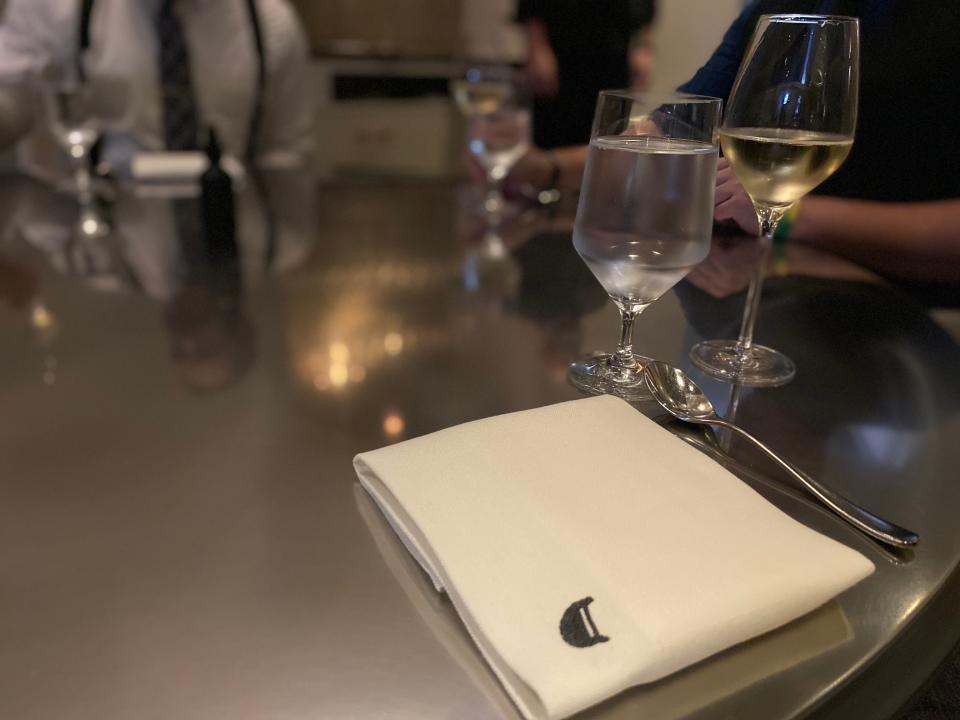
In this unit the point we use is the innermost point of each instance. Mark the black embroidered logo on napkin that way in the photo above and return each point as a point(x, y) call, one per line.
point(577, 627)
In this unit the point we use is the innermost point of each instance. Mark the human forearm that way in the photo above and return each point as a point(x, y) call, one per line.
point(916, 241)
point(570, 163)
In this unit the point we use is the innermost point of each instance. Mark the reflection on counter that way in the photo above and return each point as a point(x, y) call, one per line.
point(411, 290)
point(155, 246)
point(894, 379)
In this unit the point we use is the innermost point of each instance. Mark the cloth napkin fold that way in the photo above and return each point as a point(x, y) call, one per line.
point(588, 550)
point(180, 167)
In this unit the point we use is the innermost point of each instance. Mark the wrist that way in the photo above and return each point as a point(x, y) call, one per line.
point(780, 237)
point(806, 220)
point(785, 227)
point(555, 170)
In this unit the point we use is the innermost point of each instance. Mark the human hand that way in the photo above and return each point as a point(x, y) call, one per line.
point(731, 202)
point(532, 173)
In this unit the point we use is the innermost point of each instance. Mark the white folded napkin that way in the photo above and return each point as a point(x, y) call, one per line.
point(172, 168)
point(587, 549)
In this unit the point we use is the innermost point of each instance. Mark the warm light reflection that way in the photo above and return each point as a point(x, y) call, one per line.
point(348, 343)
point(393, 343)
point(408, 274)
point(339, 374)
point(339, 353)
point(385, 274)
point(41, 318)
point(393, 424)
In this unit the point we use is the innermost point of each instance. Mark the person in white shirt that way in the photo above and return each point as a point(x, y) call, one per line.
point(238, 66)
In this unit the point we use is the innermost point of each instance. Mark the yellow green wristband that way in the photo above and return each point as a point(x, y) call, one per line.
point(786, 222)
point(780, 240)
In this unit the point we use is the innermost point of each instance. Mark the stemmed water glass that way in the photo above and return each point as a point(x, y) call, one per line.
point(496, 107)
point(645, 215)
point(789, 125)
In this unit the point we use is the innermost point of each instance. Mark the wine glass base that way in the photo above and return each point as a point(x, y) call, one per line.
point(595, 375)
point(758, 366)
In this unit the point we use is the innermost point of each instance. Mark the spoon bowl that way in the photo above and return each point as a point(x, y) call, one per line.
point(678, 393)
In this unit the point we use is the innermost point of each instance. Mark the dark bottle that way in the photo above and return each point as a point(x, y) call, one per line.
point(219, 224)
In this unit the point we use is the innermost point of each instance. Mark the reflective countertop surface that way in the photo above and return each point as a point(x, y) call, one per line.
point(180, 531)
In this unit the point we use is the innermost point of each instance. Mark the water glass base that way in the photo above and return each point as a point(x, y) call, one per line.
point(758, 366)
point(595, 375)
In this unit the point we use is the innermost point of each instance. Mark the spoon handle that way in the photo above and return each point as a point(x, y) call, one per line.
point(864, 520)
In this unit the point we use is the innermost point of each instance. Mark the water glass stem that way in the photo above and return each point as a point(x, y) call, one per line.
point(624, 357)
point(769, 219)
point(493, 204)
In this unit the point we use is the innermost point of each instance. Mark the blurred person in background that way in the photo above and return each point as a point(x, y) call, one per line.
point(575, 49)
point(177, 67)
point(894, 205)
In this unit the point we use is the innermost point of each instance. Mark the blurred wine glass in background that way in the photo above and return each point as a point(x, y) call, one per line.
point(496, 107)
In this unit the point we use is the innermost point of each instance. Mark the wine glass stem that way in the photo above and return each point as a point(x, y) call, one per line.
point(82, 177)
point(493, 204)
point(769, 219)
point(624, 357)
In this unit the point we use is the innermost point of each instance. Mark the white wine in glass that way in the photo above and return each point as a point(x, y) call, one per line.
point(778, 166)
point(789, 125)
point(479, 97)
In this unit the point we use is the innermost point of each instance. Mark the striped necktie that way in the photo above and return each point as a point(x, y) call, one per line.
point(180, 123)
point(181, 132)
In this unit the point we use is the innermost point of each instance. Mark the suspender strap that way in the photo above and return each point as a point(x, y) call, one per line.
point(254, 132)
point(83, 44)
point(258, 41)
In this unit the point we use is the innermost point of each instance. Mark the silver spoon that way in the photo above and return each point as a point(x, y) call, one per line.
point(682, 397)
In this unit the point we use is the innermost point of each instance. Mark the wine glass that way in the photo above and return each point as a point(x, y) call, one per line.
point(496, 107)
point(789, 125)
point(483, 89)
point(645, 215)
point(76, 124)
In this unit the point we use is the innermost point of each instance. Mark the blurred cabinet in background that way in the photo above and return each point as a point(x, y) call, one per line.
point(408, 28)
point(436, 29)
point(383, 68)
point(387, 118)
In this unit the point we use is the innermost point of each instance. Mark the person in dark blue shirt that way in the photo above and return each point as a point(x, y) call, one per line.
point(894, 205)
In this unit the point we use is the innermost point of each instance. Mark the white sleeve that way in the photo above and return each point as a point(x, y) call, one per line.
point(33, 34)
point(25, 42)
point(288, 121)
